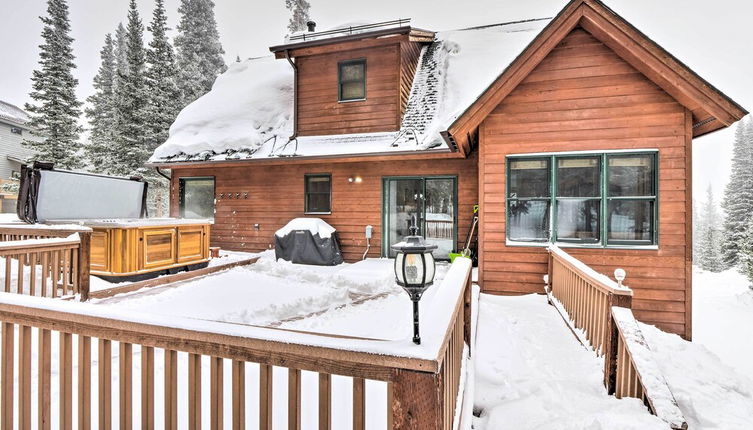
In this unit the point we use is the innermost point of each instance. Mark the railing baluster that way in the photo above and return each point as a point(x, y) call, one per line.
point(265, 397)
point(7, 273)
point(294, 399)
point(32, 274)
point(84, 382)
point(325, 401)
point(215, 391)
point(147, 387)
point(20, 280)
point(44, 380)
point(55, 272)
point(6, 376)
point(194, 391)
point(359, 404)
point(171, 389)
point(125, 386)
point(239, 394)
point(104, 371)
point(66, 381)
point(24, 377)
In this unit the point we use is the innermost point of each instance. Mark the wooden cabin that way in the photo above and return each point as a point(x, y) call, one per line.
point(575, 130)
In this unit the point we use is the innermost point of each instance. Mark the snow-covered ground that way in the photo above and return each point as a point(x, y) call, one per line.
point(531, 373)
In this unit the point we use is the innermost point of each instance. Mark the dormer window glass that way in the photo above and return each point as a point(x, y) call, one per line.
point(352, 80)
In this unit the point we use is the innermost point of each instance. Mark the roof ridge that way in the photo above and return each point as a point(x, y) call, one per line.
point(500, 24)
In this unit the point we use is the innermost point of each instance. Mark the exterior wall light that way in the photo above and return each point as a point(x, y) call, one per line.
point(414, 271)
point(355, 179)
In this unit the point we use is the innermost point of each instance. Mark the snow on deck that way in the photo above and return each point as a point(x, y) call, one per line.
point(531, 373)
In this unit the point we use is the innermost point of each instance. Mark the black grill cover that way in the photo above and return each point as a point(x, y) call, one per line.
point(303, 247)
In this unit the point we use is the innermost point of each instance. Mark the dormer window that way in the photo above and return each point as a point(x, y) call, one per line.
point(352, 80)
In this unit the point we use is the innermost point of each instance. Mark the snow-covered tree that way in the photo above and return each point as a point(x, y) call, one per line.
point(101, 110)
point(55, 110)
point(709, 252)
point(746, 253)
point(299, 14)
point(130, 148)
point(738, 196)
point(198, 47)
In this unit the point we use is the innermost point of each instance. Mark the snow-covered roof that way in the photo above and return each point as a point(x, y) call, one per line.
point(248, 114)
point(9, 112)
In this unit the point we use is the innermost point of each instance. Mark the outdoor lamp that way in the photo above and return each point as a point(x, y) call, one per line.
point(414, 270)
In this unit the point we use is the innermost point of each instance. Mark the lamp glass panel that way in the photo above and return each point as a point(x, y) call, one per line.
point(429, 267)
point(399, 267)
point(414, 269)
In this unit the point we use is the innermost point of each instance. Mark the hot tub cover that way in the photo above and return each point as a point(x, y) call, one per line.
point(308, 241)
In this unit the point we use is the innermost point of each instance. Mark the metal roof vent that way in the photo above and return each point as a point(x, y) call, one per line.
point(311, 26)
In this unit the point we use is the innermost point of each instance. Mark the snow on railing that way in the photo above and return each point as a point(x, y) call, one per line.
point(597, 310)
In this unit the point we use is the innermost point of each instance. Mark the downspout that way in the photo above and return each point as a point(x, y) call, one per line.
point(295, 94)
point(159, 172)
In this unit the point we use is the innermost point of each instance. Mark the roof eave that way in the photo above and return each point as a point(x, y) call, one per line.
point(411, 31)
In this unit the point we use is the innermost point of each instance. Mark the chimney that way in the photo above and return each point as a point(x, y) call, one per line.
point(311, 25)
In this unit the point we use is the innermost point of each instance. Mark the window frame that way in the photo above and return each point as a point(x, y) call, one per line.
point(182, 193)
point(340, 81)
point(604, 200)
point(306, 193)
point(17, 130)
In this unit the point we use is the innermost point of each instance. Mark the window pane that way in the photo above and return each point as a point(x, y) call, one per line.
point(351, 72)
point(318, 184)
point(198, 198)
point(631, 175)
point(578, 220)
point(528, 220)
point(318, 203)
point(529, 178)
point(578, 177)
point(631, 220)
point(352, 90)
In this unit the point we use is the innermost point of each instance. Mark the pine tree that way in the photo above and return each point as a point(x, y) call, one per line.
point(746, 253)
point(709, 255)
point(55, 110)
point(101, 110)
point(199, 51)
point(130, 148)
point(164, 100)
point(299, 10)
point(738, 196)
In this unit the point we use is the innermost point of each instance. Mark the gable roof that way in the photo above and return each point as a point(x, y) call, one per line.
point(711, 108)
point(460, 78)
point(248, 113)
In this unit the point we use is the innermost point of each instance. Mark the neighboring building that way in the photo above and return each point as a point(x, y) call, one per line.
point(13, 130)
point(575, 130)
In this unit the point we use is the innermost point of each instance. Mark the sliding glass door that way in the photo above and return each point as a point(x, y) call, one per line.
point(428, 202)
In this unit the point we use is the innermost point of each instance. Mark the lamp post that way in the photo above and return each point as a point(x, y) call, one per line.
point(414, 270)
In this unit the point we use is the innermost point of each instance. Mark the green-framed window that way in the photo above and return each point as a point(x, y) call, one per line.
point(351, 80)
point(196, 197)
point(318, 193)
point(585, 199)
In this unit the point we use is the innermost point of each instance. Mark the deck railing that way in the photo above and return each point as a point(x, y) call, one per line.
point(159, 366)
point(598, 311)
point(45, 261)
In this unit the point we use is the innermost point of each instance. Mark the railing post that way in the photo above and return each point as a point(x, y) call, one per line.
point(84, 251)
point(417, 400)
point(610, 343)
point(467, 304)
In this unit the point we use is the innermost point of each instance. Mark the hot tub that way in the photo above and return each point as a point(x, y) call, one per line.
point(134, 249)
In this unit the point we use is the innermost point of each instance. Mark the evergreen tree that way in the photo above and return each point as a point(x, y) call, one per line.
point(101, 110)
point(199, 51)
point(164, 100)
point(738, 196)
point(55, 110)
point(746, 253)
point(162, 80)
point(709, 255)
point(299, 15)
point(131, 100)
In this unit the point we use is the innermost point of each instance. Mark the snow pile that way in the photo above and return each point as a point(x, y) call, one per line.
point(532, 374)
point(313, 225)
point(13, 113)
point(723, 304)
point(476, 57)
point(710, 394)
point(249, 103)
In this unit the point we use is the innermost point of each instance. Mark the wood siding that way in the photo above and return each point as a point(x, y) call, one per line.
point(409, 54)
point(276, 195)
point(320, 112)
point(584, 97)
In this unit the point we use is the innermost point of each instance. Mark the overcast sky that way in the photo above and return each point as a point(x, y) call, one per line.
point(712, 38)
